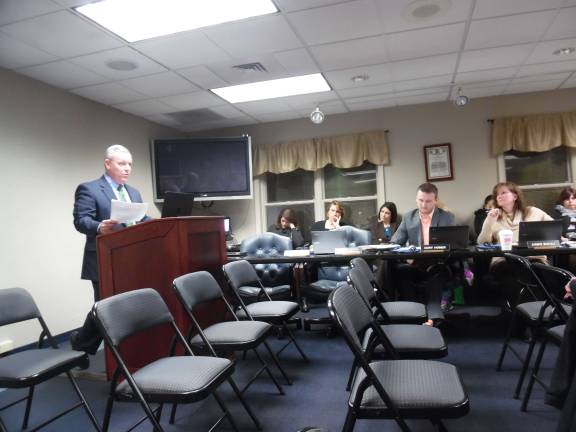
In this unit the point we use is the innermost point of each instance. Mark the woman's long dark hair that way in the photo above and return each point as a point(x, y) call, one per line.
point(393, 212)
point(288, 214)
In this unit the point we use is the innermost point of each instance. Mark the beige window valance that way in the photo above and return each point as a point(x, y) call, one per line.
point(534, 133)
point(342, 151)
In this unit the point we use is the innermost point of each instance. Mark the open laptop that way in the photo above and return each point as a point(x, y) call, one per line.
point(456, 236)
point(325, 242)
point(177, 204)
point(539, 231)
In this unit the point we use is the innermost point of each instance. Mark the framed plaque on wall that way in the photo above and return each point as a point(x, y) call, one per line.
point(438, 161)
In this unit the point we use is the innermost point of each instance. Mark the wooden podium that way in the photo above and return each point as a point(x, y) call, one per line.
point(151, 255)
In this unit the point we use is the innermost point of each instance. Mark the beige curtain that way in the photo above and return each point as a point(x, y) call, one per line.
point(534, 133)
point(342, 151)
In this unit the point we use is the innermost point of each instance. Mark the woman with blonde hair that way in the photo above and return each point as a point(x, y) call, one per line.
point(334, 217)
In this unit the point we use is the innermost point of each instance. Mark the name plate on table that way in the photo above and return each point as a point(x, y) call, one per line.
point(543, 244)
point(436, 248)
point(297, 253)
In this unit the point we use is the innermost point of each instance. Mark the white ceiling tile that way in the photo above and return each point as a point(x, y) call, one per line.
point(371, 98)
point(393, 14)
point(162, 84)
point(182, 50)
point(479, 92)
point(420, 92)
point(63, 74)
point(545, 68)
point(310, 100)
point(16, 10)
point(351, 53)
point(188, 101)
point(297, 61)
point(15, 54)
point(294, 5)
point(425, 42)
point(203, 77)
point(163, 120)
point(349, 20)
point(62, 34)
point(145, 107)
point(423, 67)
point(234, 75)
point(544, 51)
point(381, 89)
point(422, 83)
point(281, 116)
point(570, 83)
point(563, 26)
point(109, 93)
point(342, 79)
point(485, 75)
point(227, 111)
point(482, 84)
point(532, 86)
point(544, 77)
point(371, 105)
point(422, 99)
point(509, 30)
point(492, 8)
point(263, 106)
point(327, 107)
point(247, 37)
point(492, 58)
point(99, 63)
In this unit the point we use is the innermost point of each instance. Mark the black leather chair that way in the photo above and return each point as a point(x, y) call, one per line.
point(30, 367)
point(198, 288)
point(276, 277)
point(174, 379)
point(538, 315)
point(554, 280)
point(427, 389)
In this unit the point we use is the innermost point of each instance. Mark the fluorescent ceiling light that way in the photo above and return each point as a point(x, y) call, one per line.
point(135, 20)
point(304, 84)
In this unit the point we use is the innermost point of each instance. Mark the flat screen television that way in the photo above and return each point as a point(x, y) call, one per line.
point(210, 168)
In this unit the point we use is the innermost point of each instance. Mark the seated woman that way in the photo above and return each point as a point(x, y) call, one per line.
point(287, 225)
point(481, 213)
point(510, 210)
point(566, 208)
point(334, 217)
point(384, 225)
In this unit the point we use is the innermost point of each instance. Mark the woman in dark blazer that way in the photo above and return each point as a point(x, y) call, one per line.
point(384, 225)
point(287, 226)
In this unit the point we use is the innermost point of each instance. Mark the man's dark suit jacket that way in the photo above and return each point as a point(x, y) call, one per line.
point(409, 229)
point(92, 205)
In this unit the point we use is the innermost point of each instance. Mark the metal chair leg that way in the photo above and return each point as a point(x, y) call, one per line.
point(267, 369)
point(534, 374)
point(84, 402)
point(226, 412)
point(277, 363)
point(525, 367)
point(506, 341)
point(291, 336)
point(245, 404)
point(28, 408)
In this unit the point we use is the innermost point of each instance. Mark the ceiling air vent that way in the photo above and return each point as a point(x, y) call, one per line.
point(192, 117)
point(254, 67)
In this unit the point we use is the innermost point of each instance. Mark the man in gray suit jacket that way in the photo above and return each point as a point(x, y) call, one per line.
point(414, 230)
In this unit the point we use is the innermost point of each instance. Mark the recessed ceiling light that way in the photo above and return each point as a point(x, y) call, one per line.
point(564, 51)
point(359, 78)
point(298, 85)
point(420, 10)
point(136, 20)
point(121, 65)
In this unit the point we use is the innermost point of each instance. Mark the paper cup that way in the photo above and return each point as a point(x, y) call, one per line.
point(505, 237)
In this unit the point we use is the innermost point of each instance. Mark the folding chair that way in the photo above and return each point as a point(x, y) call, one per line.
point(30, 367)
point(175, 379)
point(537, 315)
point(276, 312)
point(394, 312)
point(427, 389)
point(553, 279)
point(200, 287)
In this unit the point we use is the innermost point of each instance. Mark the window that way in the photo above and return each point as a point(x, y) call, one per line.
point(541, 175)
point(310, 193)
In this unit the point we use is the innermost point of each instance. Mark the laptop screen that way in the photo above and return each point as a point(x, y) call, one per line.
point(177, 204)
point(539, 231)
point(456, 236)
point(325, 242)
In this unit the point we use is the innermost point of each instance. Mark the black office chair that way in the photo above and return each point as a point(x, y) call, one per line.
point(276, 277)
point(406, 341)
point(30, 367)
point(200, 287)
point(427, 389)
point(554, 280)
point(276, 312)
point(175, 379)
point(393, 312)
point(537, 315)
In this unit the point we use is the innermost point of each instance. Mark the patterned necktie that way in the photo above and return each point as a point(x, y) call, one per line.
point(123, 197)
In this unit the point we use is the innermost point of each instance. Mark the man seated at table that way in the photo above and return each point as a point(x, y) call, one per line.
point(423, 278)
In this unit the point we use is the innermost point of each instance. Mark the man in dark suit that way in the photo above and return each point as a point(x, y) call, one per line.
point(415, 230)
point(92, 205)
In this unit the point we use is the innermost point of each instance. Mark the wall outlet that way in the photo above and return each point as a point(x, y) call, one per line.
point(6, 345)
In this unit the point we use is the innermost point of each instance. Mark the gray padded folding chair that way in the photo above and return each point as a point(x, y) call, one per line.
point(393, 312)
point(428, 389)
point(175, 379)
point(30, 367)
point(276, 312)
point(200, 287)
